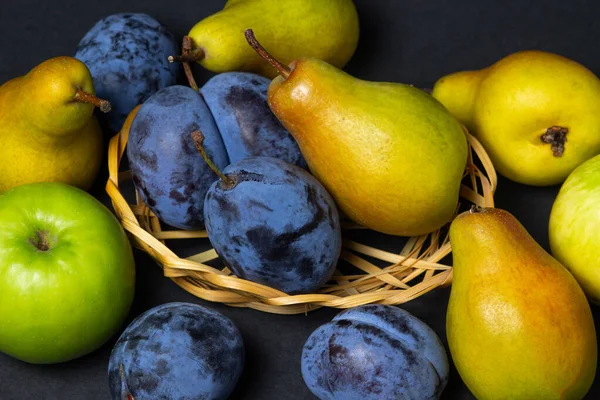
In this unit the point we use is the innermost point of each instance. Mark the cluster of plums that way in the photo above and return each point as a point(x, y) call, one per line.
point(268, 218)
point(271, 221)
point(186, 351)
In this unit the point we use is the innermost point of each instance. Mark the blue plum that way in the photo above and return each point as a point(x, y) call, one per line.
point(275, 225)
point(375, 352)
point(238, 102)
point(127, 54)
point(168, 172)
point(177, 351)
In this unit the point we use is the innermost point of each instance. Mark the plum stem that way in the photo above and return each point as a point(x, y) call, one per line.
point(198, 139)
point(82, 96)
point(127, 395)
point(265, 55)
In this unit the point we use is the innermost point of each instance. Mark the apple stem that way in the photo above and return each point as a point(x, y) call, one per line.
point(127, 395)
point(556, 137)
point(283, 69)
point(198, 139)
point(82, 96)
point(40, 241)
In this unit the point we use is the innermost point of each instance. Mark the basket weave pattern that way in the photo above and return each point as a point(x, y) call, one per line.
point(406, 275)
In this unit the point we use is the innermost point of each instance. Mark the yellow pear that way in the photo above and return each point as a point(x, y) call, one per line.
point(325, 29)
point(536, 113)
point(391, 155)
point(47, 127)
point(518, 324)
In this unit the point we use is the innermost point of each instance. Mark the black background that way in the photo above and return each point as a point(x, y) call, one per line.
point(411, 41)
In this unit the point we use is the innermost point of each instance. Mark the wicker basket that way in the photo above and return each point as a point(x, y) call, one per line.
point(376, 276)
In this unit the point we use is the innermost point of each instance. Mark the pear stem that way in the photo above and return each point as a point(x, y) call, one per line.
point(193, 56)
point(124, 383)
point(283, 69)
point(475, 209)
point(82, 96)
point(198, 139)
point(186, 49)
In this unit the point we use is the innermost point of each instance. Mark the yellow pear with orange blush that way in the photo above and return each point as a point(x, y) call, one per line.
point(390, 154)
point(518, 324)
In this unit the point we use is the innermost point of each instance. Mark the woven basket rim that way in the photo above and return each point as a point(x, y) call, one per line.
point(419, 259)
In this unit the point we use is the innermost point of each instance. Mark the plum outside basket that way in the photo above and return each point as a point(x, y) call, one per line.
point(399, 277)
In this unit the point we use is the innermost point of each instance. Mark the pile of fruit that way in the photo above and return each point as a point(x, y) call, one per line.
point(269, 156)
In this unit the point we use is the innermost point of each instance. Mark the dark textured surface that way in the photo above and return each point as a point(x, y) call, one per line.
point(409, 41)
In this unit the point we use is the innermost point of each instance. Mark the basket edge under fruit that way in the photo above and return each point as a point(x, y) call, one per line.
point(392, 285)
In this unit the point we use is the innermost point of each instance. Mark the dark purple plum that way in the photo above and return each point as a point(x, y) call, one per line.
point(127, 54)
point(177, 351)
point(238, 102)
point(275, 225)
point(375, 352)
point(168, 172)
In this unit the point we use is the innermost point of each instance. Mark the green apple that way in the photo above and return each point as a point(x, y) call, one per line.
point(67, 274)
point(575, 226)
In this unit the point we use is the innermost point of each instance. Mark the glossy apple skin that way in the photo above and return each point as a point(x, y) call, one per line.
point(574, 226)
point(63, 303)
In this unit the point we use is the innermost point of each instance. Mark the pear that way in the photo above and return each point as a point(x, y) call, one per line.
point(47, 127)
point(390, 154)
point(536, 114)
point(518, 324)
point(326, 29)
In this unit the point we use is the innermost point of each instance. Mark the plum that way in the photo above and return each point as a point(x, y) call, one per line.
point(168, 172)
point(177, 351)
point(275, 224)
point(127, 54)
point(375, 352)
point(238, 102)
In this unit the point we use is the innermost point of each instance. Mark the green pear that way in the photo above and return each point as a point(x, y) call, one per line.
point(518, 324)
point(325, 29)
point(47, 127)
point(390, 154)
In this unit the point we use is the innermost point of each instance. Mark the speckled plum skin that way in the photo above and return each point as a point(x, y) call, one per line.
point(168, 172)
point(127, 54)
point(277, 226)
point(177, 351)
point(375, 352)
point(238, 102)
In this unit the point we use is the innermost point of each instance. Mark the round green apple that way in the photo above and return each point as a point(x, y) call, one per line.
point(575, 226)
point(67, 274)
